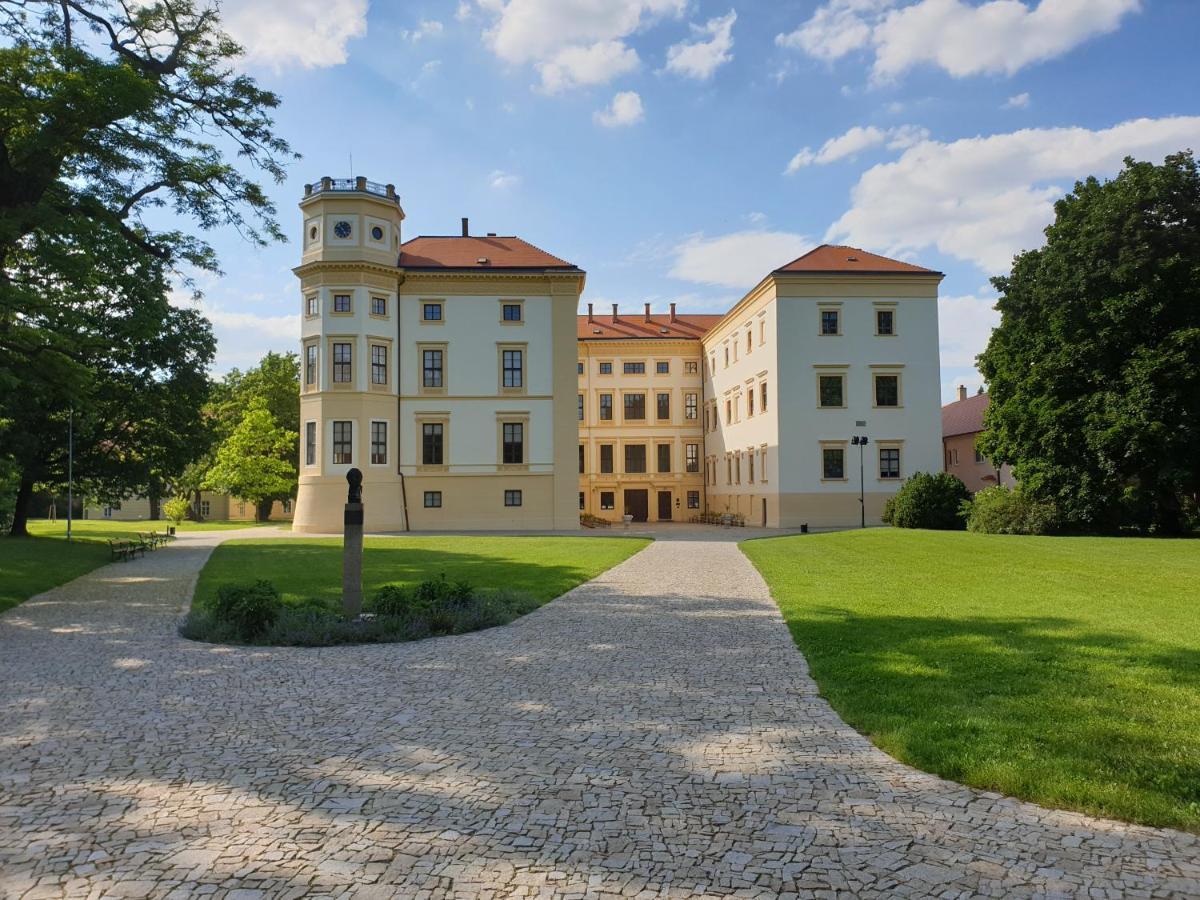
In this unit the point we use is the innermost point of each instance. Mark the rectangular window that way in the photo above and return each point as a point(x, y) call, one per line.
point(433, 499)
point(737, 467)
point(310, 443)
point(605, 368)
point(343, 449)
point(833, 463)
point(750, 465)
point(762, 467)
point(431, 312)
point(432, 362)
point(580, 368)
point(690, 406)
point(341, 363)
point(606, 459)
point(728, 412)
point(379, 443)
point(433, 442)
point(379, 366)
point(607, 500)
point(662, 368)
point(512, 498)
point(581, 501)
point(762, 397)
point(635, 368)
point(978, 455)
point(379, 306)
point(635, 407)
point(727, 357)
point(513, 375)
point(832, 390)
point(690, 367)
point(829, 321)
point(885, 321)
point(635, 458)
point(887, 390)
point(664, 457)
point(606, 407)
point(750, 403)
point(511, 312)
point(889, 462)
point(310, 305)
point(692, 457)
point(693, 498)
point(205, 509)
point(514, 443)
point(663, 402)
point(341, 303)
point(749, 344)
point(581, 455)
point(310, 364)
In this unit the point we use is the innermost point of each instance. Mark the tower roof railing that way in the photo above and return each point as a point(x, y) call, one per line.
point(358, 184)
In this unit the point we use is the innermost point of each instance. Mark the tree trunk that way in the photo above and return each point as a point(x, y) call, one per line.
point(196, 506)
point(262, 511)
point(155, 514)
point(21, 510)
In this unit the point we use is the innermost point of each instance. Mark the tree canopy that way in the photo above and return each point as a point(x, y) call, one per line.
point(251, 463)
point(1094, 371)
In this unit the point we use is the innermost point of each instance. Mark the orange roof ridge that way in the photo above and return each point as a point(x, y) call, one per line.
point(459, 252)
point(842, 259)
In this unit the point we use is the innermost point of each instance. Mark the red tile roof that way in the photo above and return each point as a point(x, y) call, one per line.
point(454, 252)
point(964, 416)
point(686, 325)
point(836, 259)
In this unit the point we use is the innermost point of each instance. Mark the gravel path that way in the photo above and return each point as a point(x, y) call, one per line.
point(653, 732)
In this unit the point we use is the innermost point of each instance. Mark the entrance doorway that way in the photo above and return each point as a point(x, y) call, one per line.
point(664, 506)
point(637, 504)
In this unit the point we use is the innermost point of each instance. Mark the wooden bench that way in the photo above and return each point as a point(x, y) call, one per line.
point(125, 549)
point(153, 540)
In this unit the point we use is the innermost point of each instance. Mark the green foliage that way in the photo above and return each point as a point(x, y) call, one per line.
point(247, 610)
point(1000, 510)
point(250, 463)
point(928, 501)
point(1094, 371)
point(177, 509)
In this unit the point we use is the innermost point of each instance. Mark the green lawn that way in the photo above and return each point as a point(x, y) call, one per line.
point(1061, 670)
point(301, 568)
point(44, 560)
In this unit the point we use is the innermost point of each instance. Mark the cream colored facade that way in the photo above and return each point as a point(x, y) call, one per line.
point(775, 453)
point(368, 402)
point(213, 507)
point(648, 465)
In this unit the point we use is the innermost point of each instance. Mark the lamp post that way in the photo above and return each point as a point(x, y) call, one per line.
point(860, 441)
point(70, 468)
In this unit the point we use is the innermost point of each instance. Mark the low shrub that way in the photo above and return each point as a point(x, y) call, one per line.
point(248, 610)
point(1000, 510)
point(928, 501)
point(176, 509)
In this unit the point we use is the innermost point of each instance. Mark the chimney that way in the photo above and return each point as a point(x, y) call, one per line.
point(465, 230)
point(672, 312)
point(647, 312)
point(962, 392)
point(614, 312)
point(590, 319)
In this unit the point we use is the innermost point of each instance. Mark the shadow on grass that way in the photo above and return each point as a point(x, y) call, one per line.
point(1042, 708)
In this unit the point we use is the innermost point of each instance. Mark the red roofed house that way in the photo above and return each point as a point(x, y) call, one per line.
point(962, 421)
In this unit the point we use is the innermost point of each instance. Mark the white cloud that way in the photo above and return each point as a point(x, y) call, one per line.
point(571, 42)
point(984, 199)
point(281, 34)
point(625, 109)
point(699, 59)
point(854, 141)
point(738, 260)
point(501, 180)
point(598, 63)
point(964, 326)
point(1018, 101)
point(997, 36)
point(428, 28)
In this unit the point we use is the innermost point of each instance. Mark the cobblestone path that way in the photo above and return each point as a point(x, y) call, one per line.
point(654, 732)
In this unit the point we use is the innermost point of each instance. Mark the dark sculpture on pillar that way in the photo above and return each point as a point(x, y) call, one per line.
point(352, 547)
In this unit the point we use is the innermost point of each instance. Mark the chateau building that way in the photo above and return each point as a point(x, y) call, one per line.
point(441, 367)
point(962, 423)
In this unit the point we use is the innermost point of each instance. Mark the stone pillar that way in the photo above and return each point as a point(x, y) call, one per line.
point(352, 547)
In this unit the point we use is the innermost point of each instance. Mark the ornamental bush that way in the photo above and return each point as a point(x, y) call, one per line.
point(176, 509)
point(247, 610)
point(928, 501)
point(999, 510)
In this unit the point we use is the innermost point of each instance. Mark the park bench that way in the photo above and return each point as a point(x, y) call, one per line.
point(125, 549)
point(153, 540)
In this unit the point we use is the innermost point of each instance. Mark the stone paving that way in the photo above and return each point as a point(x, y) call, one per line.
point(652, 733)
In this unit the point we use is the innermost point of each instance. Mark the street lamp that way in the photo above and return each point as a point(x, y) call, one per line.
point(860, 441)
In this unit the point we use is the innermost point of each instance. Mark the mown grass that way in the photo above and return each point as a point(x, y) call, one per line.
point(1065, 671)
point(307, 569)
point(102, 529)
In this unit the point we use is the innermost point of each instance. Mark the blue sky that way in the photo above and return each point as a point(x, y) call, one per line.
point(679, 150)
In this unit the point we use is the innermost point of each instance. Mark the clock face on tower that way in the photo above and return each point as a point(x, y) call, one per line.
point(342, 229)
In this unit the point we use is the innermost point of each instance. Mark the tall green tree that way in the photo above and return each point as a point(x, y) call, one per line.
point(1094, 371)
point(250, 462)
point(111, 112)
